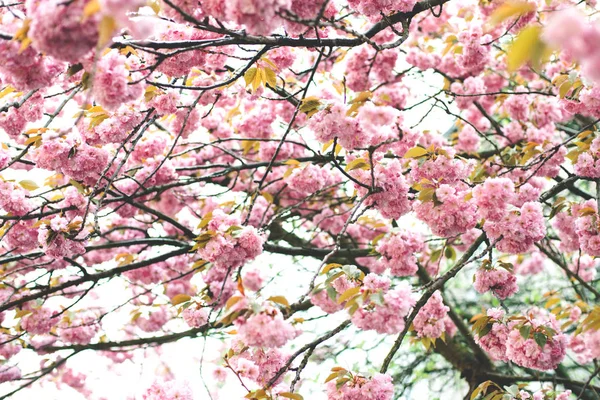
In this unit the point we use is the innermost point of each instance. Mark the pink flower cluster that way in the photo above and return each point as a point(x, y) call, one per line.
point(392, 200)
point(154, 321)
point(39, 322)
point(365, 64)
point(58, 239)
point(519, 229)
point(168, 390)
point(441, 168)
point(253, 280)
point(586, 227)
point(374, 8)
point(564, 223)
point(432, 319)
point(111, 84)
point(9, 373)
point(584, 266)
point(308, 179)
point(265, 329)
point(195, 317)
point(473, 86)
point(332, 123)
point(9, 346)
point(232, 245)
point(257, 364)
point(498, 280)
point(516, 339)
point(493, 197)
point(379, 387)
point(259, 16)
point(398, 253)
point(13, 199)
point(80, 329)
point(451, 214)
point(182, 63)
point(586, 346)
point(468, 140)
point(26, 70)
point(532, 265)
point(60, 31)
point(385, 316)
point(15, 119)
point(475, 56)
point(115, 129)
point(77, 160)
point(494, 342)
point(326, 299)
point(580, 39)
point(527, 353)
point(588, 163)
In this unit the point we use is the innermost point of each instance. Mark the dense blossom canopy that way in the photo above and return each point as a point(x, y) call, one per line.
point(319, 199)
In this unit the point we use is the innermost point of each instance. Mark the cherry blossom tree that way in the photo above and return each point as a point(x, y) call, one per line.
point(345, 199)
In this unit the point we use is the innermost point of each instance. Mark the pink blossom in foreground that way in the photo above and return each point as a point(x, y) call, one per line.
point(528, 353)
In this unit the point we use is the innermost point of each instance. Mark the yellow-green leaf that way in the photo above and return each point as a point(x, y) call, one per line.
point(564, 89)
point(249, 76)
point(232, 301)
point(329, 267)
point(270, 77)
point(358, 163)
point(22, 313)
point(91, 8)
point(154, 5)
point(28, 184)
point(415, 152)
point(6, 91)
point(510, 9)
point(347, 294)
point(293, 396)
point(279, 300)
point(259, 78)
point(551, 302)
point(205, 220)
point(327, 145)
point(180, 298)
point(268, 196)
point(526, 47)
point(106, 28)
point(310, 106)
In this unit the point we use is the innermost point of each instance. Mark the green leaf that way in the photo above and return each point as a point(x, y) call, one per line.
point(450, 253)
point(332, 293)
point(525, 331)
point(541, 339)
point(486, 329)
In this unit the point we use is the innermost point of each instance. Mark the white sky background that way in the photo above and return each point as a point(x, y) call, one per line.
point(182, 358)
